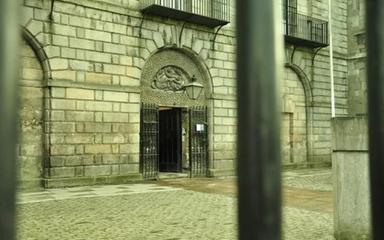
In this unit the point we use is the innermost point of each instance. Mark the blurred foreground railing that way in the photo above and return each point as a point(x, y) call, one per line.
point(8, 78)
point(259, 69)
point(375, 40)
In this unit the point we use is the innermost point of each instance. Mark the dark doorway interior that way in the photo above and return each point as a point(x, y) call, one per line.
point(170, 140)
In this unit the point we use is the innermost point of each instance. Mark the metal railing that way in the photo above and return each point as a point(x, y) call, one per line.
point(217, 9)
point(304, 27)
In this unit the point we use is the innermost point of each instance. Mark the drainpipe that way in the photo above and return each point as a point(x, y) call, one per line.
point(333, 110)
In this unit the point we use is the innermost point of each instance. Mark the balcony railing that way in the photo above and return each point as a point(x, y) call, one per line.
point(210, 13)
point(303, 30)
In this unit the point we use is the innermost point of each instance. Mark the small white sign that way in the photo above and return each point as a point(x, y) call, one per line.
point(200, 128)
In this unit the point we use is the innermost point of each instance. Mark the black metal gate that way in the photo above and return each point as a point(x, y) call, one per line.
point(198, 141)
point(149, 141)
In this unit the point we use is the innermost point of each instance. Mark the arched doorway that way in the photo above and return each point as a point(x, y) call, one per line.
point(294, 126)
point(174, 127)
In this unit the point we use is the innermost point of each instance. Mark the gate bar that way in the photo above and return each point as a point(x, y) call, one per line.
point(260, 52)
point(9, 33)
point(375, 66)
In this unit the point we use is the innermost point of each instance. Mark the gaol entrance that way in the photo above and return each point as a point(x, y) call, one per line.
point(170, 149)
point(173, 140)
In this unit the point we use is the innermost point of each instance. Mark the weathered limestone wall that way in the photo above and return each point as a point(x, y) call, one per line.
point(351, 178)
point(31, 135)
point(96, 51)
point(357, 96)
point(93, 132)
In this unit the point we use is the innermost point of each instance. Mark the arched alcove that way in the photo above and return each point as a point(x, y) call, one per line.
point(297, 112)
point(31, 143)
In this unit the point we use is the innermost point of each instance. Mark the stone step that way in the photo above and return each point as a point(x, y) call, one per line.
point(170, 175)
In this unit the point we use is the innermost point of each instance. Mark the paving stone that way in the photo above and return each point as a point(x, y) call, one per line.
point(159, 211)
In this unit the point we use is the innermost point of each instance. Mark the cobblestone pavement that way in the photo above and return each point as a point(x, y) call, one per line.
point(170, 210)
point(318, 180)
point(92, 191)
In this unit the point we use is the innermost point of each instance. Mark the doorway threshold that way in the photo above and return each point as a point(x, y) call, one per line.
point(171, 175)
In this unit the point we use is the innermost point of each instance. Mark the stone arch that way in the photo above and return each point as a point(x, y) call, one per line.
point(33, 79)
point(297, 115)
point(39, 51)
point(305, 83)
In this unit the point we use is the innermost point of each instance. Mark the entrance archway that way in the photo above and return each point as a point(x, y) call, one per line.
point(181, 143)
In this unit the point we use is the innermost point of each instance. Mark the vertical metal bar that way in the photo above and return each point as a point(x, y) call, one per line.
point(331, 65)
point(153, 139)
point(158, 142)
point(142, 148)
point(146, 142)
point(141, 138)
point(190, 145)
point(286, 17)
point(375, 37)
point(8, 108)
point(207, 143)
point(221, 11)
point(259, 204)
point(199, 142)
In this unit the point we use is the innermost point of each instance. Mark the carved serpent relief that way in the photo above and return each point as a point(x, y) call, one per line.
point(170, 78)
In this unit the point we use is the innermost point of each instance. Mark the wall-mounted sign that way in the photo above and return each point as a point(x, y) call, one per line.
point(200, 127)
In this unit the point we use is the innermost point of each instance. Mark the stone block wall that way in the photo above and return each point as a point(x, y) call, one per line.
point(95, 52)
point(93, 132)
point(224, 136)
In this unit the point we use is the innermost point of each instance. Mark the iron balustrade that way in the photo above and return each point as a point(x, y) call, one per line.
point(305, 30)
point(207, 12)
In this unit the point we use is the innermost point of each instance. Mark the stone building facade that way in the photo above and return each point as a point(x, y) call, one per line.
point(80, 117)
point(91, 66)
point(307, 84)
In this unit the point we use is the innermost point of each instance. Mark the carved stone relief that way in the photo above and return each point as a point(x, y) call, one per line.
point(170, 78)
point(165, 75)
